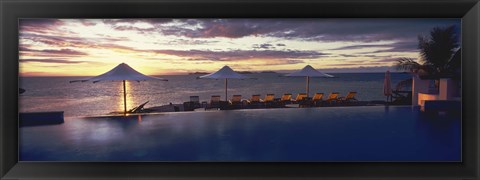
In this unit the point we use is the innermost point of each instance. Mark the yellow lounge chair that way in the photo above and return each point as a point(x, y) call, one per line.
point(269, 100)
point(286, 97)
point(253, 102)
point(236, 99)
point(300, 97)
point(349, 98)
point(317, 99)
point(333, 97)
point(300, 100)
point(255, 99)
point(215, 101)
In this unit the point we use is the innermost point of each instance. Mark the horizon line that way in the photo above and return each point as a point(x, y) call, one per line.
point(183, 74)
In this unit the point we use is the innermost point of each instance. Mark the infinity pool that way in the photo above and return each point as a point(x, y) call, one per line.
point(375, 133)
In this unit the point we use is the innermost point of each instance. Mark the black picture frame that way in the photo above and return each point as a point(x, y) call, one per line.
point(12, 10)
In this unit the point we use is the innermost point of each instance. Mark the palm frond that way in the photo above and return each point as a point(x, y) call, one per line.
point(407, 64)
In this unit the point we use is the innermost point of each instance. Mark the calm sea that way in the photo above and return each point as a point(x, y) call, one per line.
point(88, 99)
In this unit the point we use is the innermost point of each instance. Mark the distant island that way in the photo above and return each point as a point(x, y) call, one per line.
point(240, 72)
point(244, 72)
point(249, 72)
point(198, 73)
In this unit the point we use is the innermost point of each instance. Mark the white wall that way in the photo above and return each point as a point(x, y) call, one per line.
point(418, 86)
point(448, 90)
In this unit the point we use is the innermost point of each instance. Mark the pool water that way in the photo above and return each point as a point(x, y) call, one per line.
point(375, 133)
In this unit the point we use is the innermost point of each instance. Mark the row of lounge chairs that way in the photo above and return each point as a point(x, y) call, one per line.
point(270, 101)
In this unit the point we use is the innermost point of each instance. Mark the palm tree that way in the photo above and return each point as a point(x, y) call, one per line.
point(436, 54)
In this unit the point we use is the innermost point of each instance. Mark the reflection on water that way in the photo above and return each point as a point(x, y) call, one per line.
point(315, 134)
point(130, 98)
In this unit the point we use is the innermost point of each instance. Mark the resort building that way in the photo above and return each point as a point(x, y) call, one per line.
point(437, 89)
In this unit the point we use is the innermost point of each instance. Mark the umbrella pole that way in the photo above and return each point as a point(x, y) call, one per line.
point(308, 84)
point(226, 83)
point(124, 98)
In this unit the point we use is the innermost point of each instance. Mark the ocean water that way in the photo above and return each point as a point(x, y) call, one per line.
point(90, 99)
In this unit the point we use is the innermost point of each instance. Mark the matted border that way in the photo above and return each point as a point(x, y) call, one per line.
point(12, 10)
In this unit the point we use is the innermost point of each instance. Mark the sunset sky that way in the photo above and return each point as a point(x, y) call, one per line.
point(88, 47)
